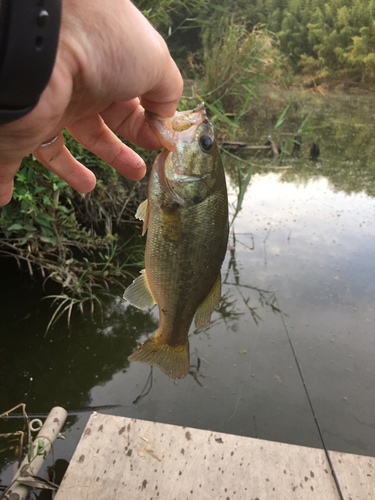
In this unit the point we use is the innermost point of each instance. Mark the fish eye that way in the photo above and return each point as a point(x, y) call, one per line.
point(206, 143)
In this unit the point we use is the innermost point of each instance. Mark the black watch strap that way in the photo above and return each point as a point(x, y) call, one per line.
point(29, 35)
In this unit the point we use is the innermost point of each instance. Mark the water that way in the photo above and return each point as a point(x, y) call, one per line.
point(299, 275)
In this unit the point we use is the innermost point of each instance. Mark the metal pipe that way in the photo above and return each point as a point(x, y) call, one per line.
point(41, 446)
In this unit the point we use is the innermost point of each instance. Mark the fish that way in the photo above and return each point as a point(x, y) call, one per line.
point(186, 220)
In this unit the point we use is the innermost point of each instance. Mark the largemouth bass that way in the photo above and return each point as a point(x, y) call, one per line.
point(186, 216)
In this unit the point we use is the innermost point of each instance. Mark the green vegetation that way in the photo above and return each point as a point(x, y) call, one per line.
point(234, 69)
point(319, 38)
point(70, 238)
point(332, 38)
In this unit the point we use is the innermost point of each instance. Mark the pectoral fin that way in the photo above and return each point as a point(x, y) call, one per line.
point(139, 293)
point(204, 311)
point(143, 213)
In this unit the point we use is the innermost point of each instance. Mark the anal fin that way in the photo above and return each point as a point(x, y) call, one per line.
point(139, 293)
point(205, 309)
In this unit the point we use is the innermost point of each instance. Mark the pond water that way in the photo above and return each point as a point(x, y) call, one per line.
point(293, 340)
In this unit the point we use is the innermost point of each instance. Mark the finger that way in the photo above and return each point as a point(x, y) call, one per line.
point(59, 160)
point(164, 97)
point(128, 120)
point(94, 135)
point(7, 173)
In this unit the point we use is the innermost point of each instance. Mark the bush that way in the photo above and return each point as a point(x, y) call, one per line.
point(69, 237)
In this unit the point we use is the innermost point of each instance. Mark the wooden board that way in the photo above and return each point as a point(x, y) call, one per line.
point(120, 458)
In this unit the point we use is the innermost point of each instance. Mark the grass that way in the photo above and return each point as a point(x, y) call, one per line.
point(234, 69)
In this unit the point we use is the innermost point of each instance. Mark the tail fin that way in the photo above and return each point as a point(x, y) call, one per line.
point(172, 360)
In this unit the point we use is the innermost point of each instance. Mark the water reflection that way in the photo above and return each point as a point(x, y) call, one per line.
point(342, 126)
point(69, 362)
point(319, 264)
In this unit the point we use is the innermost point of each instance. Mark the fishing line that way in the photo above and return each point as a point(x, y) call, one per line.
point(333, 472)
point(243, 383)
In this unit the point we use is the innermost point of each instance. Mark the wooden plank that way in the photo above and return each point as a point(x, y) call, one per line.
point(122, 458)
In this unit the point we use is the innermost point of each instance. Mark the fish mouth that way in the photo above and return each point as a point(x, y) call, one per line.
point(180, 126)
point(172, 133)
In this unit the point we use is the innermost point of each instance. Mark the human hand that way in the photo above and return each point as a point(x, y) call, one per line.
point(108, 55)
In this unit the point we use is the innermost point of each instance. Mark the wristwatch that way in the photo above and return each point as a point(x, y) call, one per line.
point(29, 35)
